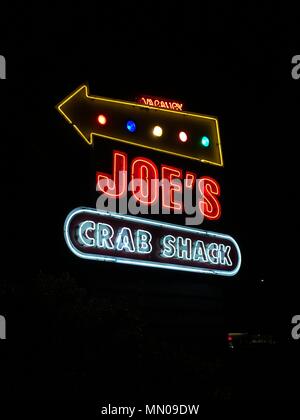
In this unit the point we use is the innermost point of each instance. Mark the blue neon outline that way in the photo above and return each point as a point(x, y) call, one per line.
point(204, 255)
point(120, 239)
point(140, 220)
point(162, 241)
point(82, 239)
point(149, 244)
point(211, 251)
point(109, 239)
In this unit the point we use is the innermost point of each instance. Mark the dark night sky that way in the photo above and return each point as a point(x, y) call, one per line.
point(225, 61)
point(232, 62)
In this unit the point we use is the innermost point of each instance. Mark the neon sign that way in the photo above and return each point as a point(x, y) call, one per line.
point(189, 135)
point(160, 125)
point(111, 237)
point(160, 103)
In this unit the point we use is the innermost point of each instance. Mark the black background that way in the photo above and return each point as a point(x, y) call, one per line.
point(80, 329)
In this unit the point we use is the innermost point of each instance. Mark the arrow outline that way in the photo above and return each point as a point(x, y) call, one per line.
point(90, 140)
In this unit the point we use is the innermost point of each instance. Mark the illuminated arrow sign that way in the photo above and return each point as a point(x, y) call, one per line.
point(191, 136)
point(104, 236)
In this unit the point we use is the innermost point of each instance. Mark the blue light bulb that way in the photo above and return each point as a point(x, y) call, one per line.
point(130, 125)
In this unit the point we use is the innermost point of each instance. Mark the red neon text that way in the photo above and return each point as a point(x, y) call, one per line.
point(209, 206)
point(160, 103)
point(170, 185)
point(144, 192)
point(145, 185)
point(115, 186)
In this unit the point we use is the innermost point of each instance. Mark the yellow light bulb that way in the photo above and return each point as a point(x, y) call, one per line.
point(157, 131)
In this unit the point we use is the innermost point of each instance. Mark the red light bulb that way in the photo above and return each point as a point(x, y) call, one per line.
point(102, 119)
point(183, 136)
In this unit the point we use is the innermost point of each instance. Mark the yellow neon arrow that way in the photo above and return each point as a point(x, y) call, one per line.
point(82, 110)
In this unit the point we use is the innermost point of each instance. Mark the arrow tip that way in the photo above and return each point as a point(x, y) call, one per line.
point(66, 109)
